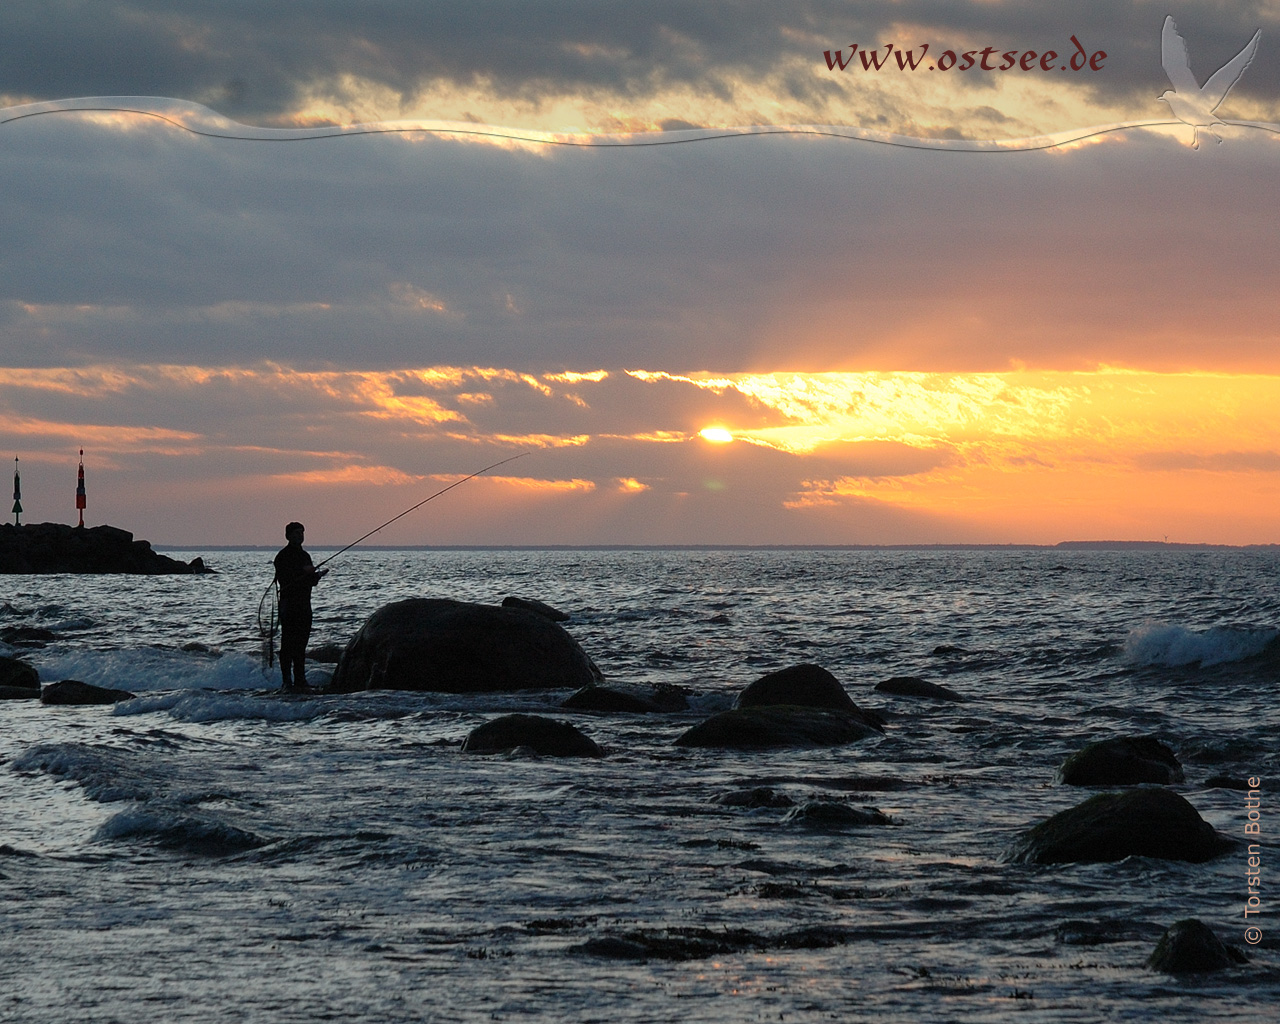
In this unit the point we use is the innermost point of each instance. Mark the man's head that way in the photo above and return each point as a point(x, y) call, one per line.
point(292, 531)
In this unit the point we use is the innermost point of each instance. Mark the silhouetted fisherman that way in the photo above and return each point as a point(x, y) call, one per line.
point(295, 576)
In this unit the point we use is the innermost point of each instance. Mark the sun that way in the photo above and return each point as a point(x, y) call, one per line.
point(716, 435)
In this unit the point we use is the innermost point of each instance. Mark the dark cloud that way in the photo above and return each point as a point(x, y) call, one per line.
point(255, 61)
point(142, 244)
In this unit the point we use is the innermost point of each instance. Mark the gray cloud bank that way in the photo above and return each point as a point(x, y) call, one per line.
point(133, 241)
point(257, 61)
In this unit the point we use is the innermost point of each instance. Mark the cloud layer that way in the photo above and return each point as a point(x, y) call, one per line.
point(577, 63)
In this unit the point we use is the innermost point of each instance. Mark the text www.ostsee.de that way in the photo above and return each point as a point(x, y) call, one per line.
point(987, 59)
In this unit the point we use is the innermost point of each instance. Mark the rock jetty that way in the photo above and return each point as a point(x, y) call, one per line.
point(59, 548)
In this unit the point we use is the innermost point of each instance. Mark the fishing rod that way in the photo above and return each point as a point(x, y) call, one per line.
point(267, 624)
point(442, 490)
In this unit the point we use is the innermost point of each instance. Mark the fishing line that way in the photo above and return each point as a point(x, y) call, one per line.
point(442, 490)
point(267, 623)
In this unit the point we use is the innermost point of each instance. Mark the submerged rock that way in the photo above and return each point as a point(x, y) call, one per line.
point(18, 674)
point(27, 636)
point(1125, 761)
point(72, 691)
point(832, 814)
point(456, 647)
point(778, 726)
point(758, 796)
point(607, 698)
point(59, 548)
point(1227, 782)
point(542, 735)
point(914, 686)
point(1111, 826)
point(1191, 947)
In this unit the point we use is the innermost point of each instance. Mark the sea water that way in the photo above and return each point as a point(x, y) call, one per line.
point(214, 851)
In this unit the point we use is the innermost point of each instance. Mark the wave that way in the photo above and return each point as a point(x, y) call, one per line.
point(149, 668)
point(222, 707)
point(104, 774)
point(202, 834)
point(1174, 646)
point(201, 120)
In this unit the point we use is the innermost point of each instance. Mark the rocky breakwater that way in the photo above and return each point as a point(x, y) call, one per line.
point(58, 548)
point(446, 646)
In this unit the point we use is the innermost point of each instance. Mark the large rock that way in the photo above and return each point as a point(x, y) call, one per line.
point(455, 647)
point(19, 693)
point(1125, 761)
point(1191, 947)
point(542, 735)
point(778, 726)
point(805, 686)
point(72, 691)
point(810, 686)
point(59, 548)
point(18, 674)
point(1111, 826)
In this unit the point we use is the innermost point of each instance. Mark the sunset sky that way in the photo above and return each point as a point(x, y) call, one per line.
point(789, 338)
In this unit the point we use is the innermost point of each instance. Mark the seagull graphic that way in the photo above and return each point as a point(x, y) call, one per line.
point(1189, 102)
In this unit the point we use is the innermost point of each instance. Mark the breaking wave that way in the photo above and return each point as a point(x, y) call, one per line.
point(1174, 646)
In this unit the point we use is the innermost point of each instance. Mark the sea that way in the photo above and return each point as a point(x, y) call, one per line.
point(212, 850)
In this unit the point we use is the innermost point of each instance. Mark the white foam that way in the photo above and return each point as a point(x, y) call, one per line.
point(150, 669)
point(1162, 644)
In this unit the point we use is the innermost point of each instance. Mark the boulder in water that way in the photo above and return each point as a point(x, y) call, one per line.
point(1191, 947)
point(542, 735)
point(1124, 761)
point(1145, 822)
point(449, 646)
point(18, 674)
point(810, 686)
point(914, 686)
point(833, 814)
point(778, 726)
point(72, 691)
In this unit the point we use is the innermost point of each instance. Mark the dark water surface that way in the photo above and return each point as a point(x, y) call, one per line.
point(211, 852)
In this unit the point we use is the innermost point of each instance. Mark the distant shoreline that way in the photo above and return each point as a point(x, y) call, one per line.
point(1065, 545)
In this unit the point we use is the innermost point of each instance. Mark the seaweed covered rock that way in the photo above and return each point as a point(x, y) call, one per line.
point(914, 686)
point(449, 646)
point(542, 735)
point(1190, 947)
point(59, 548)
point(1124, 761)
point(777, 726)
point(1111, 826)
point(72, 691)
